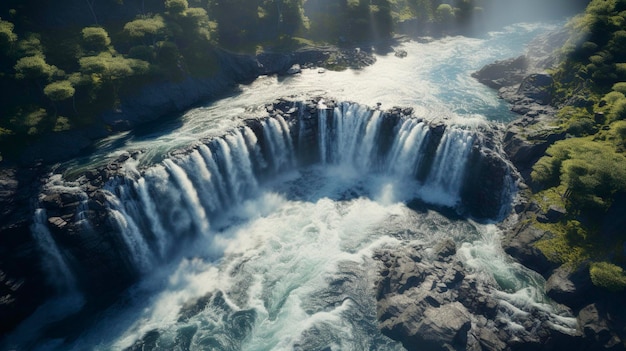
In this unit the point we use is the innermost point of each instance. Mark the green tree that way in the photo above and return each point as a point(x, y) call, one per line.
point(59, 91)
point(112, 67)
point(380, 18)
point(95, 39)
point(176, 7)
point(30, 46)
point(236, 22)
point(7, 37)
point(145, 30)
point(444, 13)
point(33, 67)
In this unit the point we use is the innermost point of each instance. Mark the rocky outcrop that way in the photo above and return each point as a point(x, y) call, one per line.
point(431, 301)
point(503, 73)
point(524, 84)
point(22, 281)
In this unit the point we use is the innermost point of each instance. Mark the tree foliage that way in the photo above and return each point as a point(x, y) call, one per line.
point(33, 67)
point(589, 172)
point(112, 67)
point(95, 38)
point(176, 7)
point(7, 36)
point(145, 28)
point(105, 50)
point(60, 90)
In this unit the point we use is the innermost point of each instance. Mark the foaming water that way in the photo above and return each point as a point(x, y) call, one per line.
point(286, 264)
point(295, 272)
point(292, 268)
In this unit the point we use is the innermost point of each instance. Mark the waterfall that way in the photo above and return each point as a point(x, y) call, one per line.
point(322, 115)
point(280, 144)
point(124, 213)
point(58, 272)
point(157, 210)
point(407, 150)
point(446, 174)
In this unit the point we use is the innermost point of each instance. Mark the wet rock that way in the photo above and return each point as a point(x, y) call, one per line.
point(503, 73)
point(598, 327)
point(519, 242)
point(446, 308)
point(445, 249)
point(294, 69)
point(400, 53)
point(442, 328)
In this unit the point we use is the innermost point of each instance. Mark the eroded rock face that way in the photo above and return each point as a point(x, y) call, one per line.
point(429, 300)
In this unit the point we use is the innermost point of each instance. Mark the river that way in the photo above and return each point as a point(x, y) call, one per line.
point(232, 261)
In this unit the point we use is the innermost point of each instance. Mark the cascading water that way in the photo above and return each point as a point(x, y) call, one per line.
point(52, 259)
point(351, 137)
point(243, 243)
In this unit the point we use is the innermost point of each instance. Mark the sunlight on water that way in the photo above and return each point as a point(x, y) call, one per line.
point(233, 263)
point(434, 78)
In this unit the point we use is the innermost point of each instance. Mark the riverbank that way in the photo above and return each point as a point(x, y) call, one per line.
point(525, 84)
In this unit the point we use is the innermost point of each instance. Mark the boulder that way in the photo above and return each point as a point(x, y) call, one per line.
point(570, 287)
point(432, 302)
point(442, 328)
point(537, 87)
point(519, 242)
point(598, 328)
point(503, 73)
point(294, 69)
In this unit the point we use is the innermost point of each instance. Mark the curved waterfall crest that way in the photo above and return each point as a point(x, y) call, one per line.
point(147, 213)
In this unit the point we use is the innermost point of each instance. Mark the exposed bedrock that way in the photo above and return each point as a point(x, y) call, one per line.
point(429, 300)
point(111, 224)
point(524, 83)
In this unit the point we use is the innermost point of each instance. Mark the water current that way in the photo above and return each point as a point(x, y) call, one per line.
point(285, 263)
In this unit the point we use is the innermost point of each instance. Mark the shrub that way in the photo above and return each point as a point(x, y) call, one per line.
point(582, 127)
point(590, 171)
point(619, 129)
point(607, 275)
point(620, 87)
point(618, 110)
point(612, 97)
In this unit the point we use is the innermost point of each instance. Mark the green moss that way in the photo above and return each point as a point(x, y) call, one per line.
point(567, 243)
point(608, 275)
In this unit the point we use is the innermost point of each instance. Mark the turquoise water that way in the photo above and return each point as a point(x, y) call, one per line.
point(290, 266)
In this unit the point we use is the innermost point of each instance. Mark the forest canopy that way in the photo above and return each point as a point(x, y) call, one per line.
point(586, 173)
point(68, 61)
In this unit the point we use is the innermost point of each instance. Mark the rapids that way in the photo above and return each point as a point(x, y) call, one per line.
point(239, 245)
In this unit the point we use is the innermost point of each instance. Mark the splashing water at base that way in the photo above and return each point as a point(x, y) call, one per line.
point(296, 271)
point(291, 268)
